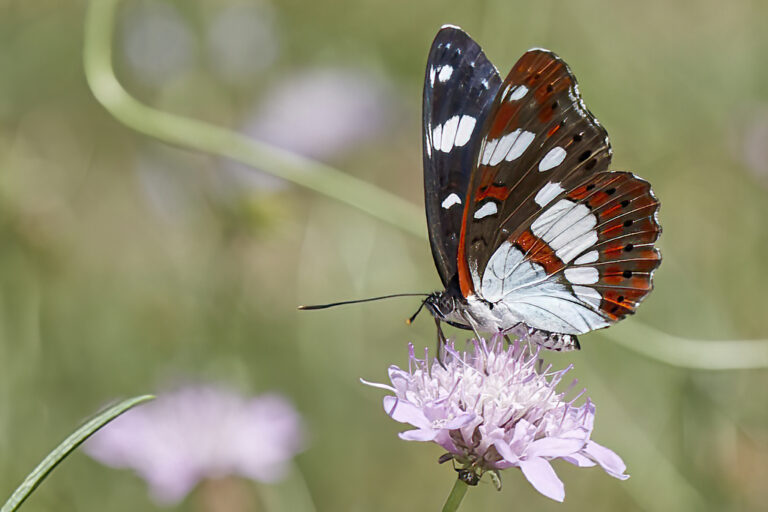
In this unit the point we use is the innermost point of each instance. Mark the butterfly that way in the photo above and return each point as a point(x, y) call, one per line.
point(530, 232)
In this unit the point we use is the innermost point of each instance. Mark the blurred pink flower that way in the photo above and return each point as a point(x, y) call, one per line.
point(322, 112)
point(494, 408)
point(195, 433)
point(318, 113)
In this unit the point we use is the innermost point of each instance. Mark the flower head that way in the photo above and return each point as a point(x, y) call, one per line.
point(201, 432)
point(493, 408)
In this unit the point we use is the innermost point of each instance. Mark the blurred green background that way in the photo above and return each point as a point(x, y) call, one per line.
point(126, 264)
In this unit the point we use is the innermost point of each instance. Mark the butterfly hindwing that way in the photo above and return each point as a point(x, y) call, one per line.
point(585, 262)
point(459, 86)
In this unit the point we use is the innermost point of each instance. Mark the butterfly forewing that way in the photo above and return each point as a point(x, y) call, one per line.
point(547, 231)
point(539, 140)
point(459, 86)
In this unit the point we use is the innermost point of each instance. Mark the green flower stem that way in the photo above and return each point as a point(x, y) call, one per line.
point(36, 477)
point(457, 494)
point(200, 136)
point(335, 184)
point(687, 353)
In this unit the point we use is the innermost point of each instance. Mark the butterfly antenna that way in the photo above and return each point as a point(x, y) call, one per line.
point(357, 301)
point(413, 317)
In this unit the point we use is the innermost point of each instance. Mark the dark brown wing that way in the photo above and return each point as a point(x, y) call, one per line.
point(459, 86)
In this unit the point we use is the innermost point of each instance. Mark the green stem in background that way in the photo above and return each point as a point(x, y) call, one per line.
point(200, 136)
point(36, 477)
point(332, 183)
point(688, 353)
point(457, 494)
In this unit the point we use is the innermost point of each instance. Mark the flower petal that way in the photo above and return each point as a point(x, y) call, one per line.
point(543, 478)
point(377, 385)
point(554, 447)
point(608, 460)
point(505, 451)
point(443, 438)
point(405, 412)
point(423, 434)
point(579, 460)
point(459, 421)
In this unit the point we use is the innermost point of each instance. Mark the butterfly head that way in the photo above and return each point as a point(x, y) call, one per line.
point(441, 305)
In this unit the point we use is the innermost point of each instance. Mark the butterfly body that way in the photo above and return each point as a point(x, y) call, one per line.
point(474, 313)
point(530, 232)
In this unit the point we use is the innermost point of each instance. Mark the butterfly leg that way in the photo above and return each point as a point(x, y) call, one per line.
point(477, 333)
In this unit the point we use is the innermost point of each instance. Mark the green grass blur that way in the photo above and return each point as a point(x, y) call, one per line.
point(113, 284)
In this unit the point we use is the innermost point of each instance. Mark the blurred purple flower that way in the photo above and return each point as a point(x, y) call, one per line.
point(318, 113)
point(495, 408)
point(195, 433)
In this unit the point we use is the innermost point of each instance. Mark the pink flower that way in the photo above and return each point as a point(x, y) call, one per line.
point(195, 433)
point(494, 408)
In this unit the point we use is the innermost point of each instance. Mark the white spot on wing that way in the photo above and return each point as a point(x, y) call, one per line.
point(490, 147)
point(445, 73)
point(437, 133)
point(521, 144)
point(512, 92)
point(518, 92)
point(487, 209)
point(432, 75)
point(547, 193)
point(451, 200)
point(590, 257)
point(570, 249)
point(508, 147)
point(567, 227)
point(464, 132)
point(588, 295)
point(503, 147)
point(553, 158)
point(582, 275)
point(449, 134)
